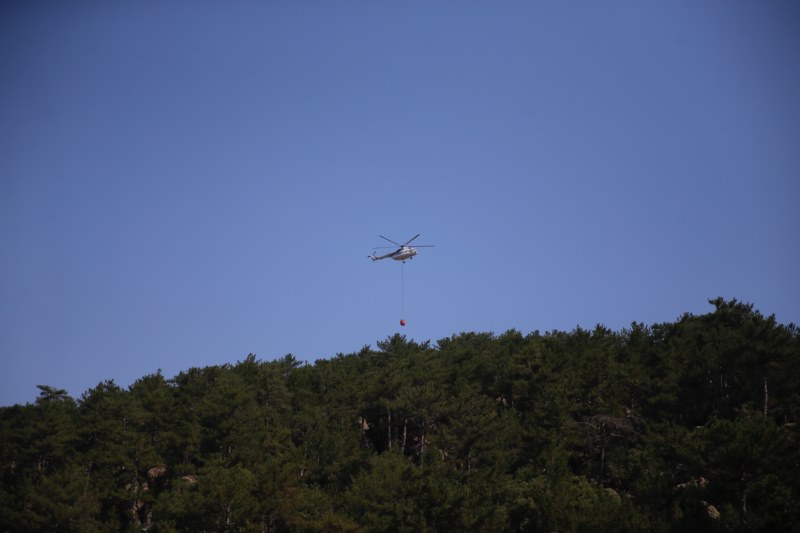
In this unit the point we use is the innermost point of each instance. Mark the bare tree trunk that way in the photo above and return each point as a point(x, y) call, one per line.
point(744, 508)
point(389, 414)
point(422, 446)
point(405, 434)
point(136, 503)
point(602, 463)
point(766, 396)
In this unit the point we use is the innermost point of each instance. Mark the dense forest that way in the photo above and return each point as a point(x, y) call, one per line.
point(690, 425)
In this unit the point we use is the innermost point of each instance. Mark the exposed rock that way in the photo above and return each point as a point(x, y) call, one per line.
point(614, 494)
point(713, 512)
point(156, 472)
point(141, 487)
point(700, 482)
point(190, 479)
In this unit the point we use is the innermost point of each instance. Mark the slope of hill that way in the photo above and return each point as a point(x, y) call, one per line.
point(675, 426)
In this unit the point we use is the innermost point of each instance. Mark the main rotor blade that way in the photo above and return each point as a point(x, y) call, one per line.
point(395, 247)
point(390, 240)
point(411, 239)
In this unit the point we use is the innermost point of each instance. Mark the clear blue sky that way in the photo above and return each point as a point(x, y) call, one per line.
point(184, 183)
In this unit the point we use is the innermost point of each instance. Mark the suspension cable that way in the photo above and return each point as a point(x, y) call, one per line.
point(402, 290)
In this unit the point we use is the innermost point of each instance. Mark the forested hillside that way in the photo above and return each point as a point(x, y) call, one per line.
point(679, 426)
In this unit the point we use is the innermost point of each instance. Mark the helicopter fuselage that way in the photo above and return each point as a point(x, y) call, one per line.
point(401, 254)
point(406, 252)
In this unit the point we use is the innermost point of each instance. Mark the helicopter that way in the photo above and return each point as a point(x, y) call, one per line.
point(404, 251)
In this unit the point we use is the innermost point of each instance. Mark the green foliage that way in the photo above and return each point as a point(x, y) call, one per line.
point(690, 425)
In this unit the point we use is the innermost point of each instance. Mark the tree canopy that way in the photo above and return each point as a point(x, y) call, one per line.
point(688, 425)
